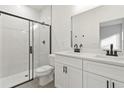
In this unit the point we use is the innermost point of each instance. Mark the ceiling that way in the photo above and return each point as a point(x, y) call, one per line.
point(77, 8)
point(82, 8)
point(37, 7)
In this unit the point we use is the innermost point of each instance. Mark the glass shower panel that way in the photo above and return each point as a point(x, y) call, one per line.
point(41, 45)
point(14, 51)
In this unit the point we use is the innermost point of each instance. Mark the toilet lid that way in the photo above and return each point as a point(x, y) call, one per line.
point(44, 68)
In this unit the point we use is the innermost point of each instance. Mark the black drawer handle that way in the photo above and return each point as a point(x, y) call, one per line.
point(30, 49)
point(65, 69)
point(113, 84)
point(107, 84)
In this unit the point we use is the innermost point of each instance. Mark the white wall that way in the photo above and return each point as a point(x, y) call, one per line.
point(77, 9)
point(61, 27)
point(45, 15)
point(61, 23)
point(21, 10)
point(87, 23)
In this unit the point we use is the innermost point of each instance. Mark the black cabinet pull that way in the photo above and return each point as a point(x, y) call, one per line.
point(66, 70)
point(30, 49)
point(63, 68)
point(113, 84)
point(107, 84)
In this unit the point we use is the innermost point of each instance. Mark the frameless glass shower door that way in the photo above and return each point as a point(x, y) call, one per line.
point(14, 50)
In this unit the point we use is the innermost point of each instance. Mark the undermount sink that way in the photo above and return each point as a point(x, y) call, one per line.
point(111, 57)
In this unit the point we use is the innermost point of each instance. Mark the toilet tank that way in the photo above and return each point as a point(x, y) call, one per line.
point(52, 59)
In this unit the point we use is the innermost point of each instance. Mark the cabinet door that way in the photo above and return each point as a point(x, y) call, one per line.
point(117, 84)
point(75, 77)
point(94, 81)
point(59, 76)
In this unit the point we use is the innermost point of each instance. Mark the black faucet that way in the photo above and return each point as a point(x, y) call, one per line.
point(111, 52)
point(111, 49)
point(77, 49)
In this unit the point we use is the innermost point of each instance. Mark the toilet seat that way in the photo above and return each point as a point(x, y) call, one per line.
point(44, 68)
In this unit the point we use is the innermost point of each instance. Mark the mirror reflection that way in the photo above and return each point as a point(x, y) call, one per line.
point(111, 32)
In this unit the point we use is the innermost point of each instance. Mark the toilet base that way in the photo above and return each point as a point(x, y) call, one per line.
point(44, 80)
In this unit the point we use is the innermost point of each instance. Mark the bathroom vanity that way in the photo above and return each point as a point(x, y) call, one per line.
point(101, 28)
point(88, 70)
point(68, 72)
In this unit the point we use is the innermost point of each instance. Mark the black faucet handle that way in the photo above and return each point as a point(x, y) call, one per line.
point(115, 53)
point(75, 46)
point(81, 45)
point(107, 52)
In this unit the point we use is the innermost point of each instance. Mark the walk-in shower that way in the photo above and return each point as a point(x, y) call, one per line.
point(24, 46)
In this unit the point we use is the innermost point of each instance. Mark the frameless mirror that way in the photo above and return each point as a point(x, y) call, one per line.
point(111, 32)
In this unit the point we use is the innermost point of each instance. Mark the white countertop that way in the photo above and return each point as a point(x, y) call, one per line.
point(100, 58)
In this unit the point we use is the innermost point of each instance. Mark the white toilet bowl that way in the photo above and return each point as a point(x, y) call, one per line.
point(45, 73)
point(44, 70)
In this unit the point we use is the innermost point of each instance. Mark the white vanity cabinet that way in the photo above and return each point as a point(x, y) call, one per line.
point(94, 81)
point(68, 72)
point(60, 77)
point(99, 75)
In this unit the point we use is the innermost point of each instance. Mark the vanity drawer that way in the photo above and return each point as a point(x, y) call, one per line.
point(110, 71)
point(74, 62)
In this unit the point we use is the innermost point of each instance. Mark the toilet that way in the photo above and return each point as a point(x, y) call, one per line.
point(45, 73)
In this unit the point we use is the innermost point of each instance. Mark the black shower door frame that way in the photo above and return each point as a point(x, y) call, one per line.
point(31, 46)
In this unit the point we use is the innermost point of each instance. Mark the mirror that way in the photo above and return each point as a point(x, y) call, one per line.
point(111, 32)
point(99, 27)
